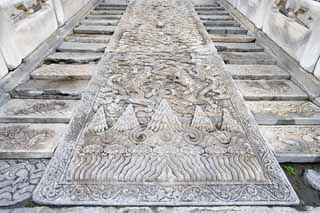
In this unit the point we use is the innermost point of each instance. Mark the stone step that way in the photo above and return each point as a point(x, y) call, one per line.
point(232, 38)
point(211, 8)
point(50, 89)
point(74, 57)
point(112, 5)
point(247, 58)
point(64, 72)
point(81, 47)
point(29, 140)
point(94, 29)
point(213, 12)
point(257, 72)
point(108, 17)
point(103, 22)
point(107, 12)
point(228, 23)
point(200, 6)
point(238, 47)
point(285, 112)
point(227, 30)
point(85, 38)
point(297, 144)
point(37, 111)
point(107, 7)
point(284, 90)
point(215, 18)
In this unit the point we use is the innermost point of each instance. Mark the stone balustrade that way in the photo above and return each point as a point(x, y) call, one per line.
point(25, 24)
point(293, 24)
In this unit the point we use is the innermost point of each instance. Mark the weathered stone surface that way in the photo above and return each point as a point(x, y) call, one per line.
point(85, 38)
point(107, 12)
point(312, 178)
point(3, 66)
point(64, 72)
point(81, 47)
point(18, 179)
point(232, 38)
point(221, 23)
point(227, 30)
point(270, 90)
point(102, 22)
point(225, 209)
point(29, 140)
point(294, 143)
point(285, 112)
point(212, 12)
point(257, 72)
point(73, 57)
point(163, 124)
point(94, 29)
point(238, 47)
point(247, 58)
point(215, 18)
point(50, 89)
point(105, 17)
point(37, 111)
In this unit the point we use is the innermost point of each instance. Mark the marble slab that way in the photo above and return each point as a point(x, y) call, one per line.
point(257, 72)
point(285, 112)
point(74, 57)
point(50, 89)
point(283, 90)
point(299, 144)
point(85, 38)
point(162, 124)
point(29, 140)
point(64, 72)
point(248, 58)
point(238, 47)
point(81, 47)
point(37, 111)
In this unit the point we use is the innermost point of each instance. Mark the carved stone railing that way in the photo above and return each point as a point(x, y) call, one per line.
point(293, 24)
point(26, 24)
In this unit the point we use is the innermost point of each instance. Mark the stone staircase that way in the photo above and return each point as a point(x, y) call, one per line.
point(284, 112)
point(36, 116)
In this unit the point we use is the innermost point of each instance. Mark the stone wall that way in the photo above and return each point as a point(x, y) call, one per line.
point(25, 24)
point(293, 24)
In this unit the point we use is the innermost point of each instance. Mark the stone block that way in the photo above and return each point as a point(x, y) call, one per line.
point(29, 140)
point(255, 10)
point(94, 29)
point(238, 47)
point(285, 112)
point(3, 66)
point(270, 90)
point(247, 58)
point(81, 47)
point(85, 38)
point(37, 111)
point(232, 38)
point(294, 143)
point(74, 57)
point(35, 29)
point(287, 33)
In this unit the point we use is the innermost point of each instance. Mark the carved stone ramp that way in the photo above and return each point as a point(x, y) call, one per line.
point(163, 124)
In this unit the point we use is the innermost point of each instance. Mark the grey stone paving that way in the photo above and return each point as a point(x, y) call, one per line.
point(294, 143)
point(167, 127)
point(257, 72)
point(81, 47)
point(18, 178)
point(50, 89)
point(37, 111)
point(270, 90)
point(64, 72)
point(285, 112)
point(29, 140)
